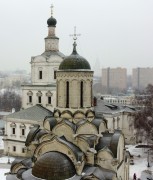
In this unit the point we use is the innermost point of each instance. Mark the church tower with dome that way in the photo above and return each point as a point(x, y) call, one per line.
point(74, 144)
point(74, 85)
point(42, 89)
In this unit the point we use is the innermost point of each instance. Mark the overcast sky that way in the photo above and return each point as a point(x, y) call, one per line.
point(114, 33)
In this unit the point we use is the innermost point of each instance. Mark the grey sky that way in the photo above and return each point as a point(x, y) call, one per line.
point(116, 33)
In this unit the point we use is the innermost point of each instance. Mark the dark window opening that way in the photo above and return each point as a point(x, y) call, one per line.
point(67, 94)
point(39, 99)
point(13, 130)
point(54, 74)
point(40, 74)
point(14, 148)
point(49, 100)
point(23, 132)
point(81, 94)
point(30, 99)
point(23, 150)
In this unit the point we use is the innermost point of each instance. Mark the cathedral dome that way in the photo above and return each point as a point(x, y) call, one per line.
point(74, 61)
point(53, 166)
point(51, 22)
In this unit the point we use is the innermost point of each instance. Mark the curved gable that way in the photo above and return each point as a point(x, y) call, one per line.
point(38, 59)
point(64, 129)
point(87, 128)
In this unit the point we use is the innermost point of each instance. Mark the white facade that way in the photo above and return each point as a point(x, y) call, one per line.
point(17, 131)
point(41, 91)
point(124, 122)
point(18, 125)
point(43, 75)
point(44, 95)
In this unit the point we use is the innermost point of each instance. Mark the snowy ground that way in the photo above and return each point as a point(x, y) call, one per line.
point(140, 163)
point(4, 166)
point(139, 167)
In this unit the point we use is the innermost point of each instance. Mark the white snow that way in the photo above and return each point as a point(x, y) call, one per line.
point(4, 159)
point(140, 163)
point(2, 173)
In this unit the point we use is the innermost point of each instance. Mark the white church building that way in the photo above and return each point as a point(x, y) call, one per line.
point(38, 97)
point(73, 101)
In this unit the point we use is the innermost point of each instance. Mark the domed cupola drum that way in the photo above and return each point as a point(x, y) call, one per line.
point(74, 82)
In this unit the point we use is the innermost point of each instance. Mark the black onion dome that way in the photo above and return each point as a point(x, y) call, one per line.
point(53, 166)
point(51, 22)
point(74, 61)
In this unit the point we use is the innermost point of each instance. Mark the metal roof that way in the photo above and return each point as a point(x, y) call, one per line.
point(36, 113)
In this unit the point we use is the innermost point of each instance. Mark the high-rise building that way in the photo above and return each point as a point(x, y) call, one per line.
point(141, 77)
point(114, 80)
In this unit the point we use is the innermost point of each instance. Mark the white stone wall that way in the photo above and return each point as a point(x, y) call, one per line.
point(47, 66)
point(17, 140)
point(51, 44)
point(44, 97)
point(128, 128)
point(74, 78)
point(124, 122)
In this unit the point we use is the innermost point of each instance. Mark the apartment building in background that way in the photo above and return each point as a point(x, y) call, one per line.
point(141, 77)
point(114, 80)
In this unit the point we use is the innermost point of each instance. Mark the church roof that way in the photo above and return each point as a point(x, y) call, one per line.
point(39, 85)
point(74, 62)
point(51, 22)
point(76, 150)
point(109, 140)
point(99, 172)
point(48, 54)
point(53, 166)
point(36, 113)
point(32, 134)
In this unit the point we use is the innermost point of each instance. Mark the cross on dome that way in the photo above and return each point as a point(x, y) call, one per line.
point(75, 35)
point(52, 9)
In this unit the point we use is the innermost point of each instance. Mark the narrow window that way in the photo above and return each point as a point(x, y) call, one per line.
point(23, 150)
point(118, 123)
point(49, 100)
point(23, 132)
point(113, 124)
point(30, 99)
point(13, 130)
point(81, 94)
point(14, 148)
point(67, 94)
point(40, 74)
point(54, 74)
point(39, 99)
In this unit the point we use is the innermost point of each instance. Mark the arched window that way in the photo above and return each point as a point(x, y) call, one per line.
point(49, 94)
point(30, 94)
point(81, 94)
point(39, 94)
point(67, 94)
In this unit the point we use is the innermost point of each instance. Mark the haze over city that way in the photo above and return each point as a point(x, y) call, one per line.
point(113, 33)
